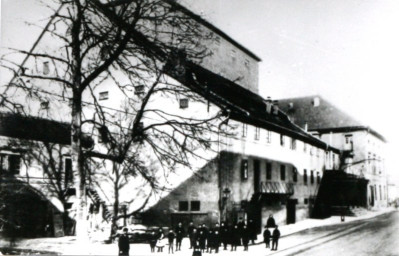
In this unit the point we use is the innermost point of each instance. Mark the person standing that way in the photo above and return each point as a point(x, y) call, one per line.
point(123, 243)
point(245, 233)
point(190, 230)
point(171, 238)
point(153, 241)
point(216, 240)
point(160, 241)
point(266, 237)
point(179, 236)
point(235, 238)
point(252, 231)
point(271, 223)
point(224, 235)
point(202, 240)
point(276, 236)
point(209, 241)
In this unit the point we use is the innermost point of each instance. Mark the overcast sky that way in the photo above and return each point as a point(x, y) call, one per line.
point(345, 50)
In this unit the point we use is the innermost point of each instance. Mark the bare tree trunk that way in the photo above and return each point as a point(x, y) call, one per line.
point(76, 133)
point(116, 201)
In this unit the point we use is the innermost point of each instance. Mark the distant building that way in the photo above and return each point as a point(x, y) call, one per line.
point(363, 148)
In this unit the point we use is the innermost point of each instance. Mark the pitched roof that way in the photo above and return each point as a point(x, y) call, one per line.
point(320, 115)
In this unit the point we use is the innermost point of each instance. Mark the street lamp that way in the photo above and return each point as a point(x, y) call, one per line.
point(226, 194)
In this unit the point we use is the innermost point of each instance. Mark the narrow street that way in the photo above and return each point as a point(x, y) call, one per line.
point(376, 236)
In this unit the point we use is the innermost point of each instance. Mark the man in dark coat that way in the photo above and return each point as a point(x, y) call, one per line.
point(252, 231)
point(271, 223)
point(266, 237)
point(171, 237)
point(235, 238)
point(216, 240)
point(179, 236)
point(245, 233)
point(202, 240)
point(224, 235)
point(209, 241)
point(276, 236)
point(123, 244)
point(190, 230)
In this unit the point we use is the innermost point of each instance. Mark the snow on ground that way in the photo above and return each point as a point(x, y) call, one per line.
point(70, 246)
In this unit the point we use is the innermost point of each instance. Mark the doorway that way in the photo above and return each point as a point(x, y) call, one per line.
point(291, 211)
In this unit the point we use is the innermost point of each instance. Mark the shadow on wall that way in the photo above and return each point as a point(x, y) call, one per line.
point(201, 186)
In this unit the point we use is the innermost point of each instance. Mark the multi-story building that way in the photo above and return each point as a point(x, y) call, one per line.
point(363, 148)
point(270, 166)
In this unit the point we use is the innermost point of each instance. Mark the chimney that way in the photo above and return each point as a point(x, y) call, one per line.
point(316, 101)
point(275, 107)
point(269, 105)
point(306, 126)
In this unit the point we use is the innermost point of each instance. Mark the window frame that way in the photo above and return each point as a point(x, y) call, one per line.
point(103, 95)
point(192, 206)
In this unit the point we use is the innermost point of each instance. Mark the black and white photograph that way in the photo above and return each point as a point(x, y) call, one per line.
point(199, 127)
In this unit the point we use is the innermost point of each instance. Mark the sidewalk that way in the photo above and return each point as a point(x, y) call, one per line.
point(69, 245)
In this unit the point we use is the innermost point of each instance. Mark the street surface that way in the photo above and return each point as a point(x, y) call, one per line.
point(371, 236)
point(378, 236)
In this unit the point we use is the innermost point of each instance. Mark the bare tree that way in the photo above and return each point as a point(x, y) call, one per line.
point(142, 43)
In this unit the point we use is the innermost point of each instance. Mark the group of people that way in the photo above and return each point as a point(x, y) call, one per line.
point(206, 239)
point(210, 239)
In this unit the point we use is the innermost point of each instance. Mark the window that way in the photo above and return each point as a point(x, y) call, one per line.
point(295, 175)
point(233, 55)
point(244, 130)
point(305, 177)
point(246, 63)
point(293, 143)
point(318, 178)
point(282, 172)
point(71, 192)
point(44, 105)
point(311, 177)
point(244, 169)
point(282, 140)
point(103, 96)
point(68, 170)
point(10, 164)
point(257, 133)
point(183, 103)
point(46, 68)
point(19, 109)
point(139, 89)
point(348, 140)
point(380, 193)
point(268, 136)
point(306, 201)
point(183, 205)
point(195, 205)
point(268, 171)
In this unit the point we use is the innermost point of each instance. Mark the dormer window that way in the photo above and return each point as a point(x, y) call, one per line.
point(46, 68)
point(183, 103)
point(103, 96)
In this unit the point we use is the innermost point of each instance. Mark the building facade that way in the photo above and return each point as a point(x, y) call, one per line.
point(363, 148)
